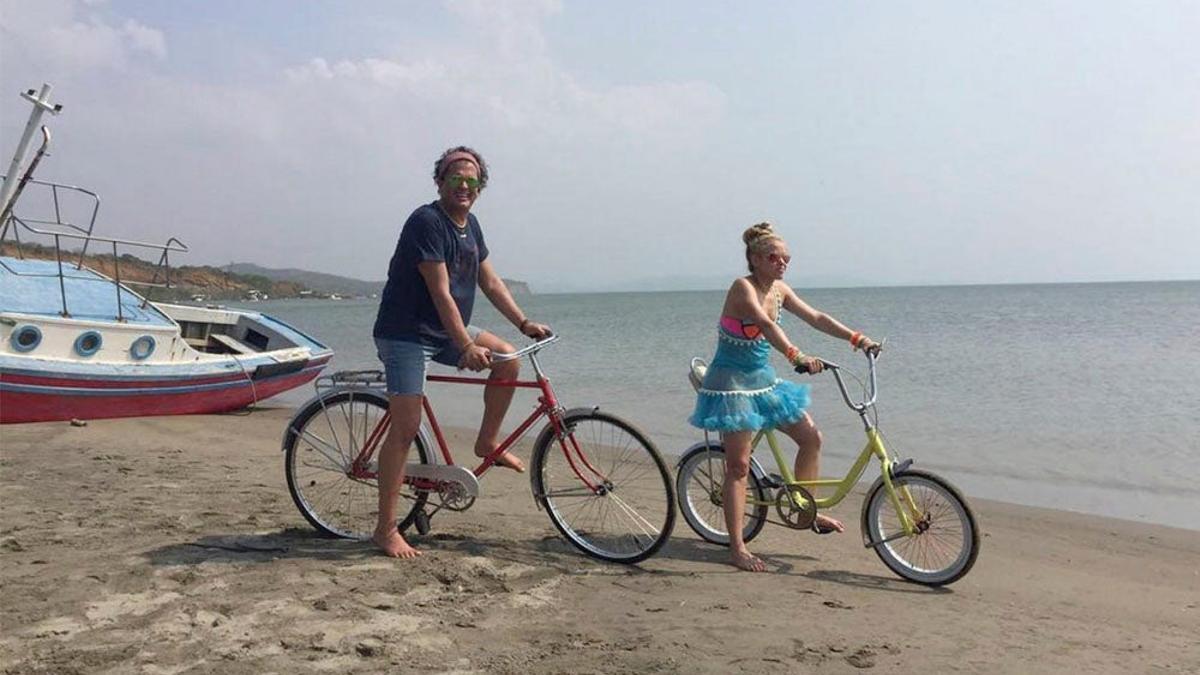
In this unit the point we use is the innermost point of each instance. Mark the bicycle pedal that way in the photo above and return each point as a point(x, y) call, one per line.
point(421, 522)
point(773, 481)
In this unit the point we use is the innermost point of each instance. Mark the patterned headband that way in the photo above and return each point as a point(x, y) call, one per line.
point(458, 156)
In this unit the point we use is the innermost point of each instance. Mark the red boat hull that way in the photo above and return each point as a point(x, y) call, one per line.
point(31, 398)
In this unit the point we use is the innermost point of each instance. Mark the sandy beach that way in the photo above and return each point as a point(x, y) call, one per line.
point(170, 545)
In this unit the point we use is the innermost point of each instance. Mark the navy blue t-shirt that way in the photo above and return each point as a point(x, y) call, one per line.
point(406, 310)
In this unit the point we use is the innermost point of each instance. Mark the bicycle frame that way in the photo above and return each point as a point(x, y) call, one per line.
point(548, 406)
point(874, 448)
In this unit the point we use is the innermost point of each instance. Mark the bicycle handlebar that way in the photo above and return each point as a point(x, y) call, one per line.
point(531, 349)
point(837, 375)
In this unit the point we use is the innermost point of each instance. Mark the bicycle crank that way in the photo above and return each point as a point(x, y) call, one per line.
point(794, 515)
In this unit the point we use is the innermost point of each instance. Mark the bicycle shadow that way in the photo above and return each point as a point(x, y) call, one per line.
point(696, 550)
point(874, 582)
point(259, 547)
point(549, 551)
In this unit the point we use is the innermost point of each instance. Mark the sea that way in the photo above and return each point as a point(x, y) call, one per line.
point(1083, 397)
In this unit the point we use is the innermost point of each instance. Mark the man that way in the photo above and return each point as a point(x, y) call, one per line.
point(425, 314)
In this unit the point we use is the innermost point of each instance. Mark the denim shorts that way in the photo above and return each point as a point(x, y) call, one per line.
point(404, 362)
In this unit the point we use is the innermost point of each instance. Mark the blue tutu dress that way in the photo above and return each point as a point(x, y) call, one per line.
point(740, 391)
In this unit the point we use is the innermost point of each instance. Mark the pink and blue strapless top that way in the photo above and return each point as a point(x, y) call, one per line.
point(740, 391)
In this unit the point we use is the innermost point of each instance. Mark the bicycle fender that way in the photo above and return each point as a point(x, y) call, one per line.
point(755, 467)
point(315, 401)
point(422, 432)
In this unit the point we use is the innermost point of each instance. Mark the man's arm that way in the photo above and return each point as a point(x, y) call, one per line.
point(437, 280)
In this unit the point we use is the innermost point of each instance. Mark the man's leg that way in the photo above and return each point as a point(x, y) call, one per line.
point(405, 414)
point(496, 401)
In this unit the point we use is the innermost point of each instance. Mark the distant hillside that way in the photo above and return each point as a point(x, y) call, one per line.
point(317, 281)
point(332, 283)
point(186, 281)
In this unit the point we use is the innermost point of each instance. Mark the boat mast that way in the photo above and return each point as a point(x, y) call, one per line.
point(41, 104)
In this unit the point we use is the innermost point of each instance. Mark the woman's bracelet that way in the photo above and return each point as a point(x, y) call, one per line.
point(794, 355)
point(521, 326)
point(855, 338)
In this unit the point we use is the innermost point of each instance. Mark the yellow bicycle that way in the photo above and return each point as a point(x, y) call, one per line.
point(917, 522)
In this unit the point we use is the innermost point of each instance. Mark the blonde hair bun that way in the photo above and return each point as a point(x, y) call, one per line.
point(756, 232)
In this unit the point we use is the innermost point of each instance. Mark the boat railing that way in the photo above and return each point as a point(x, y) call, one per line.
point(59, 229)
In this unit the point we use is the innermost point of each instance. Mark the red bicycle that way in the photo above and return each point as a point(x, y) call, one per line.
point(601, 481)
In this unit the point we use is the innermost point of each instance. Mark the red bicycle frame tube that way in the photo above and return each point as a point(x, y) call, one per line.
point(547, 403)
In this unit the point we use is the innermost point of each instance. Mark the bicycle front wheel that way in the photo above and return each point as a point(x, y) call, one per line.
point(605, 487)
point(946, 543)
point(321, 446)
point(698, 484)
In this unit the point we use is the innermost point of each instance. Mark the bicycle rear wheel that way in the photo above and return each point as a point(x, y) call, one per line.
point(946, 544)
point(698, 484)
point(321, 444)
point(605, 487)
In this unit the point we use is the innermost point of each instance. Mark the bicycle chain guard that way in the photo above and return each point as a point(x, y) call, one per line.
point(795, 516)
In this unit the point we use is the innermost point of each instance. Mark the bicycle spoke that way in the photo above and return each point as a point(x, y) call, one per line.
point(631, 515)
point(942, 546)
point(319, 458)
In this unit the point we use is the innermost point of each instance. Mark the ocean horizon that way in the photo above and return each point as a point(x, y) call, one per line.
point(1076, 396)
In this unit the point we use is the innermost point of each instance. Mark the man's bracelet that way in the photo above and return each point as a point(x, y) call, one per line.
point(521, 326)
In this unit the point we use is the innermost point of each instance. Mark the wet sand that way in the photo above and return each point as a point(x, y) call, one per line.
point(170, 545)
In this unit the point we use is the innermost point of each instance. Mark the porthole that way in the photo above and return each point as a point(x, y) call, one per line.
point(142, 348)
point(25, 338)
point(88, 343)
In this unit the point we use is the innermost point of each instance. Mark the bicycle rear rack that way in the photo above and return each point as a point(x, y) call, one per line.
point(371, 379)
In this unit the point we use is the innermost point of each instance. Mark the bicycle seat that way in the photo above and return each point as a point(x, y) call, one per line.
point(696, 372)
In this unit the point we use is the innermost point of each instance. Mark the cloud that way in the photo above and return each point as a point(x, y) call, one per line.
point(78, 37)
point(315, 166)
point(503, 69)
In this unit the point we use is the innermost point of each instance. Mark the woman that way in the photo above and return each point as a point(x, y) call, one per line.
point(741, 394)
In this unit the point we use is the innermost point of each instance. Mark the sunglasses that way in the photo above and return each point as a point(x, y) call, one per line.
point(775, 258)
point(456, 182)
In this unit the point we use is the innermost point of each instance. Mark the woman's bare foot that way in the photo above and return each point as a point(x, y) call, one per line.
point(825, 525)
point(506, 460)
point(747, 561)
point(393, 544)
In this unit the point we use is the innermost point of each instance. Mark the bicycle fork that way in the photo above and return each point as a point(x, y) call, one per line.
point(911, 519)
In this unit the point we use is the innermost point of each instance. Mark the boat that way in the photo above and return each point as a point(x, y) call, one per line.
point(78, 343)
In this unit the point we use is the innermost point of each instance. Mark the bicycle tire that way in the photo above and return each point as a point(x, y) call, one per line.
point(951, 528)
point(637, 490)
point(318, 467)
point(698, 489)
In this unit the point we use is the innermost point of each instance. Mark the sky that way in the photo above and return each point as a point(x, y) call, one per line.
point(631, 143)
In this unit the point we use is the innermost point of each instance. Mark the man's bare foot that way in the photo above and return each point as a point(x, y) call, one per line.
point(747, 561)
point(392, 544)
point(825, 525)
point(506, 460)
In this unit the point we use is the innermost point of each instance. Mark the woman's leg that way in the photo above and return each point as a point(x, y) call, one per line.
point(496, 401)
point(808, 459)
point(405, 412)
point(733, 494)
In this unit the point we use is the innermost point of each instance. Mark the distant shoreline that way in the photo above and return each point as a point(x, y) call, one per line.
point(885, 286)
